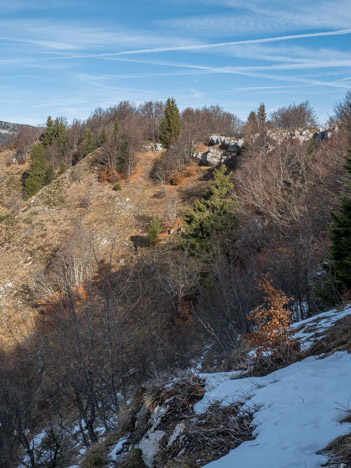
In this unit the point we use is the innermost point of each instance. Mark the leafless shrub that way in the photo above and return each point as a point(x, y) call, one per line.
point(203, 122)
point(14, 203)
point(152, 111)
point(171, 207)
point(343, 113)
point(85, 199)
point(23, 141)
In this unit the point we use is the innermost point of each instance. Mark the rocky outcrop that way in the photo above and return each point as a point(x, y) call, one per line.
point(229, 144)
point(303, 134)
point(222, 148)
point(213, 156)
point(226, 148)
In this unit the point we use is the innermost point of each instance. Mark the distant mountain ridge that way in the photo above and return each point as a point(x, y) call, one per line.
point(8, 128)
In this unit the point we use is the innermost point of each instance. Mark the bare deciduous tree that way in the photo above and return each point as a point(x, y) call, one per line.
point(294, 116)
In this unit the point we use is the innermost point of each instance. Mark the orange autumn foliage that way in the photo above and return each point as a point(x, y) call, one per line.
point(179, 178)
point(273, 321)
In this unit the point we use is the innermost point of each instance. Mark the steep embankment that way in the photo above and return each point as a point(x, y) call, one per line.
point(32, 231)
point(285, 419)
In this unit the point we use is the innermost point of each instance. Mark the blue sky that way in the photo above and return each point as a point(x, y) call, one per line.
point(65, 58)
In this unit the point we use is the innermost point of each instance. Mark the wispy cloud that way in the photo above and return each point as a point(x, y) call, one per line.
point(70, 56)
point(81, 35)
point(268, 15)
point(252, 70)
point(199, 47)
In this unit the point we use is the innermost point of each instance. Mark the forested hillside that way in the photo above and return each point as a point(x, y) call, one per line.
point(146, 245)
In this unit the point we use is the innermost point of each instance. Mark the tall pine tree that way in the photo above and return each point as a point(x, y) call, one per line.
point(55, 134)
point(170, 125)
point(36, 173)
point(261, 114)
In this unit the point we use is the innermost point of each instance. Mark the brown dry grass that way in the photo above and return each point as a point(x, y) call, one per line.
point(30, 237)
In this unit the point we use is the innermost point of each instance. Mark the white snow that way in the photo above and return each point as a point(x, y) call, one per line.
point(118, 448)
point(179, 429)
point(150, 445)
point(317, 325)
point(298, 409)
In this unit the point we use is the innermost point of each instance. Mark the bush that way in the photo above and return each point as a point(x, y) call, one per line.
point(95, 457)
point(117, 187)
point(133, 460)
point(153, 232)
point(273, 322)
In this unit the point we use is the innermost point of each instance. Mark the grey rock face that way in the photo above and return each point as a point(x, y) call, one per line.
point(228, 143)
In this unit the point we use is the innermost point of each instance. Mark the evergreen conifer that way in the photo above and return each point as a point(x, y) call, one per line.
point(211, 215)
point(153, 232)
point(103, 137)
point(122, 152)
point(116, 128)
point(261, 114)
point(55, 133)
point(89, 142)
point(170, 125)
point(36, 173)
point(49, 175)
point(62, 168)
point(48, 135)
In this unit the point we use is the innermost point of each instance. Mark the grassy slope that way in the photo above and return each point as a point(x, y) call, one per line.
point(30, 236)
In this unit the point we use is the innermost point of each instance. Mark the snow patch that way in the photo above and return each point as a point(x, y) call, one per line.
point(150, 445)
point(118, 448)
point(179, 429)
point(316, 325)
point(300, 409)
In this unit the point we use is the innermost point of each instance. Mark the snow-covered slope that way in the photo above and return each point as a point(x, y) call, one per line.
point(294, 412)
point(299, 408)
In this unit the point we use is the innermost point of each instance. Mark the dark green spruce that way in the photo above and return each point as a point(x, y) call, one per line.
point(170, 125)
point(210, 216)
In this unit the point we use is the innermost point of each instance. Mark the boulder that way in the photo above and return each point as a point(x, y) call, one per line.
point(322, 134)
point(215, 140)
point(212, 157)
point(158, 147)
